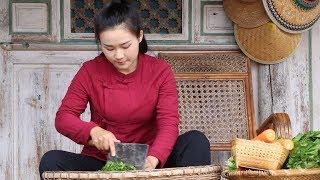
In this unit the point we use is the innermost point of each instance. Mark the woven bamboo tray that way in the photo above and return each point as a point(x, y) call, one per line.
point(283, 174)
point(194, 172)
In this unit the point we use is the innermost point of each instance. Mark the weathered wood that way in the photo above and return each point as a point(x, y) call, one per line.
point(6, 123)
point(315, 66)
point(54, 27)
point(215, 28)
point(264, 93)
point(34, 80)
point(290, 86)
point(93, 47)
point(4, 21)
point(284, 88)
point(38, 88)
point(255, 92)
point(34, 109)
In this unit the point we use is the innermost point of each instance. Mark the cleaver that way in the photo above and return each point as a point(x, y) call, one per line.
point(131, 153)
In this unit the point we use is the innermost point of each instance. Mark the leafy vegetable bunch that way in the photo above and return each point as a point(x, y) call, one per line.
point(306, 151)
point(117, 166)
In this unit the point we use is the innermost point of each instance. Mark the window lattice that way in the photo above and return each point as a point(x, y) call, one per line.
point(159, 17)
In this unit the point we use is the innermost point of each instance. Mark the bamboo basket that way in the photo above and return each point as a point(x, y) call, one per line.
point(192, 172)
point(280, 122)
point(258, 155)
point(283, 174)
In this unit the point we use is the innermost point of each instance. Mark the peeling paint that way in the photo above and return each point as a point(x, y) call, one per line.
point(5, 56)
point(3, 73)
point(45, 81)
point(8, 173)
point(34, 102)
point(4, 17)
point(2, 106)
point(306, 126)
point(196, 35)
point(32, 38)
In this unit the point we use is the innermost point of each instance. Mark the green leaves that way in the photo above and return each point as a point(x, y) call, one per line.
point(231, 164)
point(117, 166)
point(306, 151)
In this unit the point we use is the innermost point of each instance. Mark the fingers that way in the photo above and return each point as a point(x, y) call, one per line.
point(103, 140)
point(151, 163)
point(147, 166)
point(112, 148)
point(105, 143)
point(112, 145)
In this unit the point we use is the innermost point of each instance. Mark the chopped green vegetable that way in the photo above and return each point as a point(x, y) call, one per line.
point(231, 164)
point(306, 151)
point(117, 166)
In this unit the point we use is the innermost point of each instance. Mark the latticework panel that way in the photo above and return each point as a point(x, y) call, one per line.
point(216, 107)
point(159, 17)
point(214, 95)
point(208, 63)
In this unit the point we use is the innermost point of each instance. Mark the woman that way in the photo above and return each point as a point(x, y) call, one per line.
point(132, 97)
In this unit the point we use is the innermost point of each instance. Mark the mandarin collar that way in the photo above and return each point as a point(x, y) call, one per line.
point(126, 78)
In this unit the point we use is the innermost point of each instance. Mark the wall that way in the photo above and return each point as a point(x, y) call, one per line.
point(34, 76)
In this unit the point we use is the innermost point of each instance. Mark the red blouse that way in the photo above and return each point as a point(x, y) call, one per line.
point(140, 107)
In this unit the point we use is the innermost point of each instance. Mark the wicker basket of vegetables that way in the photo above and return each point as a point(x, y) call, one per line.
point(297, 159)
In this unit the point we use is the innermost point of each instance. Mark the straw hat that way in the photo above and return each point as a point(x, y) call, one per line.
point(293, 16)
point(246, 13)
point(266, 44)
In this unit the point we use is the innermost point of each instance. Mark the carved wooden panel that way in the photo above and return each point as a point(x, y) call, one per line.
point(38, 90)
point(29, 17)
point(32, 87)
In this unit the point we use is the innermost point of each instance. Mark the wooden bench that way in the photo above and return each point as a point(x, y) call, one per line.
point(215, 97)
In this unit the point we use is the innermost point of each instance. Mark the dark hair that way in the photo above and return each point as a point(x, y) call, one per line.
point(117, 12)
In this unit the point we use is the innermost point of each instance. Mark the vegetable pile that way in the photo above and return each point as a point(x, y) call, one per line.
point(306, 151)
point(117, 166)
point(267, 136)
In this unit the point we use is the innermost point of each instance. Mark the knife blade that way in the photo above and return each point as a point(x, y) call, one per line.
point(130, 153)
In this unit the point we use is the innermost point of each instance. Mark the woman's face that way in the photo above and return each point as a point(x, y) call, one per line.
point(121, 48)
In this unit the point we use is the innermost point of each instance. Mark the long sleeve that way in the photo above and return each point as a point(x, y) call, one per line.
point(167, 118)
point(68, 121)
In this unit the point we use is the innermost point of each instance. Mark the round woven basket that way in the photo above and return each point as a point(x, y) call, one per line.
point(266, 44)
point(246, 13)
point(293, 16)
point(181, 173)
point(284, 174)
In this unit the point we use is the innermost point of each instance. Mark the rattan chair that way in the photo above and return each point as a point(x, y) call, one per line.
point(215, 97)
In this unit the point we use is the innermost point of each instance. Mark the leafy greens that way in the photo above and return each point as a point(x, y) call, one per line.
point(231, 164)
point(306, 151)
point(117, 166)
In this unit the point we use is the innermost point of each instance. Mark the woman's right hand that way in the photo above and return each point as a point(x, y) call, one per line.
point(103, 140)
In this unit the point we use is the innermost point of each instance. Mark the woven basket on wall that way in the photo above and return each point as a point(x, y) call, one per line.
point(195, 172)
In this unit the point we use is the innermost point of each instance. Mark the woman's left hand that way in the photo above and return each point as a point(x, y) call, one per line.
point(151, 163)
